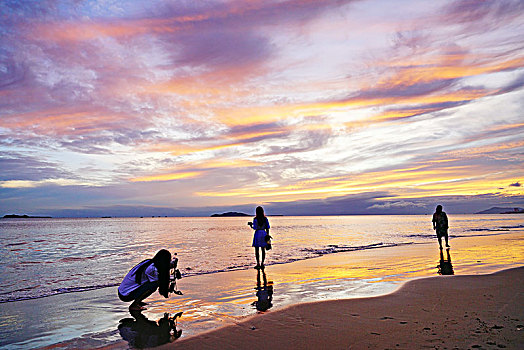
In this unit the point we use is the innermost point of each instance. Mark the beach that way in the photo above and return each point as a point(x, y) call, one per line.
point(364, 297)
point(454, 312)
point(478, 307)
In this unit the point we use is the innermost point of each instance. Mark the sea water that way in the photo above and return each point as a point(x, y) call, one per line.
point(42, 257)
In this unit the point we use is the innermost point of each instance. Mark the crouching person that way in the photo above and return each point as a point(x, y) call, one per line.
point(144, 279)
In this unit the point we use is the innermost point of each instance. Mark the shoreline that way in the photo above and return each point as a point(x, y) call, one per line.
point(215, 301)
point(472, 311)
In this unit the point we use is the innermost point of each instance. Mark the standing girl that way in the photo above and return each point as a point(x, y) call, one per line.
point(261, 226)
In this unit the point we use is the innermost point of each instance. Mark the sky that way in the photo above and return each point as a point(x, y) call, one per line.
point(305, 107)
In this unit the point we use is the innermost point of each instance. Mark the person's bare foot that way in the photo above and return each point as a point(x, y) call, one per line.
point(136, 307)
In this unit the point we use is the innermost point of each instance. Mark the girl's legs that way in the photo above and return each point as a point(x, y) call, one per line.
point(263, 256)
point(137, 304)
point(257, 257)
point(142, 292)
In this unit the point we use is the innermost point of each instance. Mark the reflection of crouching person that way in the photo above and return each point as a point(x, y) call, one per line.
point(145, 278)
point(140, 332)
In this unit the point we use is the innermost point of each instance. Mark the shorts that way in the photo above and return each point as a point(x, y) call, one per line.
point(442, 233)
point(143, 288)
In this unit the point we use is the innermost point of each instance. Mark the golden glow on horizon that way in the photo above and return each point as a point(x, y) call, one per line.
point(412, 182)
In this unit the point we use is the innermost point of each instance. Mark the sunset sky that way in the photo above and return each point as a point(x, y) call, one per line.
point(306, 107)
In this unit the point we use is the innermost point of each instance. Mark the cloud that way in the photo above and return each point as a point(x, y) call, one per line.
point(227, 103)
point(481, 13)
point(515, 184)
point(19, 167)
point(397, 204)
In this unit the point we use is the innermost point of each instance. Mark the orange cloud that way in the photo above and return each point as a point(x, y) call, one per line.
point(195, 169)
point(167, 177)
point(62, 121)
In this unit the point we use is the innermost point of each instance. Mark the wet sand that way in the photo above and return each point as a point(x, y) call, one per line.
point(218, 308)
point(447, 312)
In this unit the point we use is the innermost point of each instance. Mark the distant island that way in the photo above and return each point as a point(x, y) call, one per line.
point(502, 210)
point(15, 216)
point(229, 214)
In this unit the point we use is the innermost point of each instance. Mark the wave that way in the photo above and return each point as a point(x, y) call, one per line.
point(488, 229)
point(498, 229)
point(73, 258)
point(10, 298)
point(496, 232)
point(15, 244)
point(335, 248)
point(512, 227)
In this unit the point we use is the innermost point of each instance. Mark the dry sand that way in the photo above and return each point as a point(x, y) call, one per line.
point(444, 312)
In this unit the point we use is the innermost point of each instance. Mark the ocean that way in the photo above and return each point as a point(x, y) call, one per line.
point(43, 257)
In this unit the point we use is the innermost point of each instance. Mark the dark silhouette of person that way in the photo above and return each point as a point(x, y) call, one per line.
point(261, 236)
point(440, 225)
point(445, 267)
point(264, 292)
point(145, 278)
point(140, 332)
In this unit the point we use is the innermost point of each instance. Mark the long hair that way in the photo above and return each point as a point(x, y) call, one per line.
point(438, 210)
point(261, 218)
point(161, 260)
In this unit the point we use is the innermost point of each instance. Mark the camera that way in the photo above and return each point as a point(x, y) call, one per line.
point(174, 275)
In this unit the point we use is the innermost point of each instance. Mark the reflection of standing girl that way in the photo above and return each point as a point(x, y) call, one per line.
point(261, 226)
point(264, 293)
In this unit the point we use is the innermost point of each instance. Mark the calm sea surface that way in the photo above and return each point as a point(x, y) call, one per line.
point(41, 257)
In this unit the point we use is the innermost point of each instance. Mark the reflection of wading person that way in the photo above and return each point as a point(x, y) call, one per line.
point(261, 226)
point(440, 225)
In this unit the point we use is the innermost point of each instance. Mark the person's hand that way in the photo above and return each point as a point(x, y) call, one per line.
point(250, 224)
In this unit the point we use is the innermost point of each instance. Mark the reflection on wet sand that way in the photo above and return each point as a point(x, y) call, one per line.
point(264, 292)
point(140, 332)
point(214, 300)
point(445, 267)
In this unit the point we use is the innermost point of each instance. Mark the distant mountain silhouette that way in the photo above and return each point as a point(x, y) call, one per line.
point(502, 210)
point(16, 216)
point(229, 214)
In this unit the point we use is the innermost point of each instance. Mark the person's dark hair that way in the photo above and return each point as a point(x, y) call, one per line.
point(162, 261)
point(261, 218)
point(439, 209)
